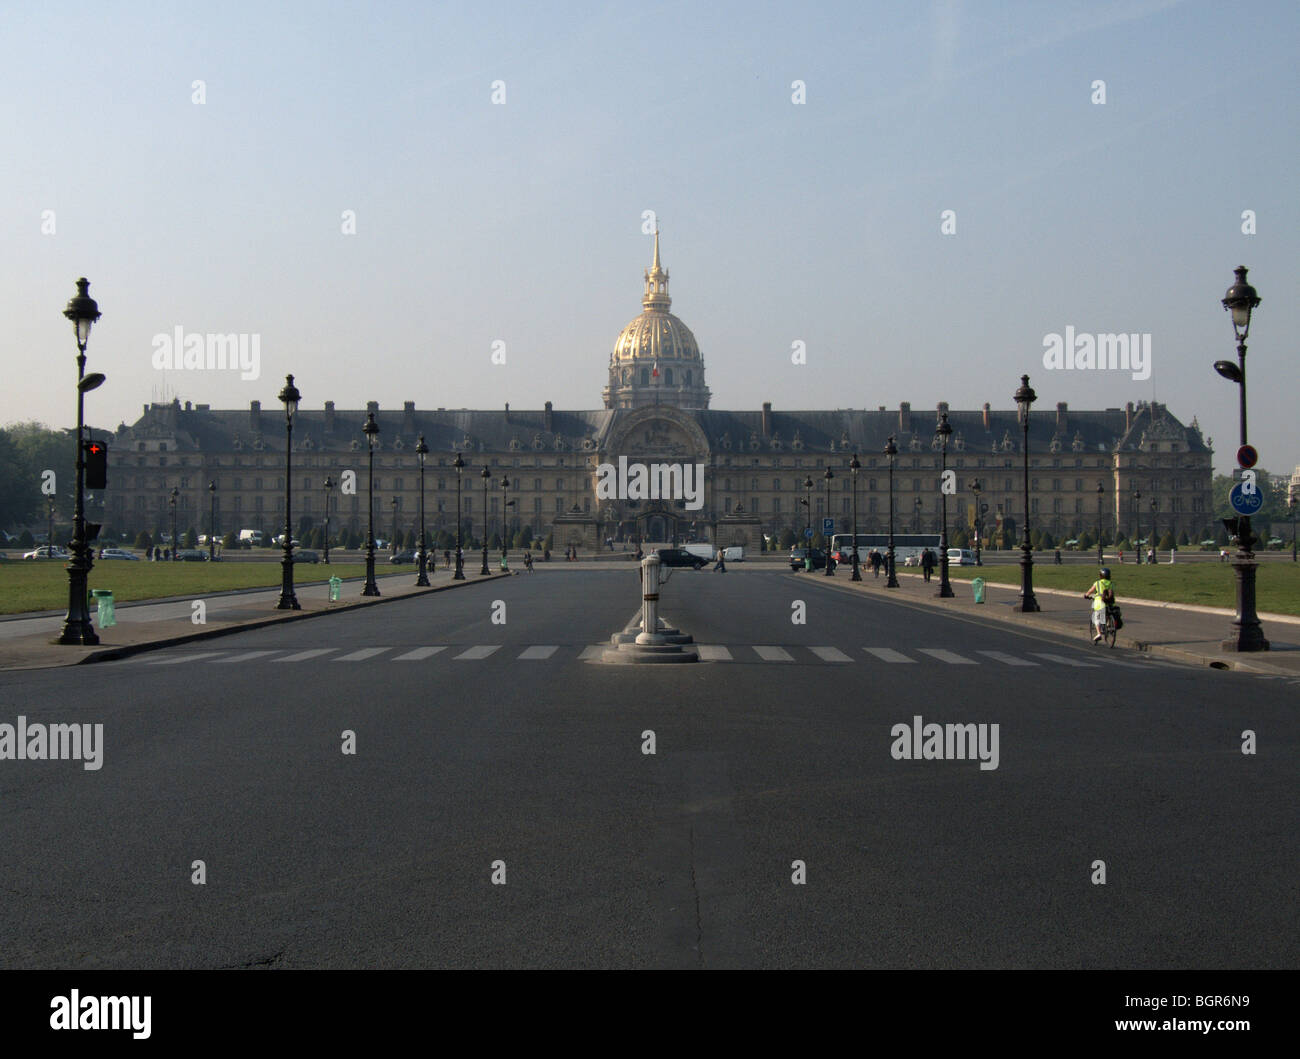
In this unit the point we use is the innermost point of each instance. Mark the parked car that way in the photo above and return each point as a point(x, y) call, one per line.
point(961, 557)
point(46, 552)
point(192, 555)
point(797, 556)
point(306, 555)
point(406, 555)
point(679, 557)
point(119, 553)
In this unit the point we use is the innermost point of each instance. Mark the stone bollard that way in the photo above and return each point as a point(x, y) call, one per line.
point(655, 643)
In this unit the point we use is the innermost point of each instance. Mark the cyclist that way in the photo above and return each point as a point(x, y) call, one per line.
point(1102, 594)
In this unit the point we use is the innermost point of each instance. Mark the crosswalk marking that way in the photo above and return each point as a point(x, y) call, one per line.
point(830, 654)
point(594, 651)
point(478, 651)
point(171, 660)
point(712, 652)
point(245, 656)
point(950, 657)
point(419, 653)
point(1064, 660)
point(538, 652)
point(303, 656)
point(773, 654)
point(361, 655)
point(888, 654)
point(1007, 659)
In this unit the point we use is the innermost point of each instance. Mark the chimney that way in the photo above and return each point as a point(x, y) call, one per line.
point(548, 420)
point(408, 417)
point(986, 415)
point(189, 407)
point(329, 417)
point(767, 419)
point(904, 417)
point(1128, 416)
point(507, 411)
point(372, 406)
point(255, 416)
point(943, 407)
point(1062, 419)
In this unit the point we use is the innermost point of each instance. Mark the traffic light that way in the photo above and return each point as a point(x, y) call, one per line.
point(95, 454)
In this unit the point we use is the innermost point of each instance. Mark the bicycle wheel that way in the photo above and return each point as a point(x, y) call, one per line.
point(1109, 632)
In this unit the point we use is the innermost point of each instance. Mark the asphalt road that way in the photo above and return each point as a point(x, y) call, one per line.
point(479, 742)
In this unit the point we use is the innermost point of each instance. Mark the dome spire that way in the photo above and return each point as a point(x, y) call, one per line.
point(656, 283)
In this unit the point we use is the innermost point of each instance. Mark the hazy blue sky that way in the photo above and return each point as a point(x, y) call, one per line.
point(522, 222)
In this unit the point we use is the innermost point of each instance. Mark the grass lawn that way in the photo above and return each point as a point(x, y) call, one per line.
point(43, 585)
point(1277, 584)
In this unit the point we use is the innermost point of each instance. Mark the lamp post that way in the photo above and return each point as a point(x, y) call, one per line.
point(505, 518)
point(290, 396)
point(392, 546)
point(1101, 499)
point(83, 312)
point(329, 486)
point(1137, 518)
point(1248, 634)
point(49, 532)
point(1291, 503)
point(1155, 507)
point(830, 563)
point(891, 450)
point(944, 431)
point(486, 475)
point(459, 575)
point(807, 502)
point(976, 488)
point(854, 467)
point(422, 560)
point(371, 430)
point(212, 520)
point(171, 503)
point(916, 515)
point(1025, 398)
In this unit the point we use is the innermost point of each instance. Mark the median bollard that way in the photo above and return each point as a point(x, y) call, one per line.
point(336, 589)
point(978, 586)
point(107, 610)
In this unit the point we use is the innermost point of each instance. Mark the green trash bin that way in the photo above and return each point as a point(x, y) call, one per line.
point(107, 610)
point(336, 589)
point(978, 586)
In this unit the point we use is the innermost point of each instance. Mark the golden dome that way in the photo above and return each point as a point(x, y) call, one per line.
point(656, 335)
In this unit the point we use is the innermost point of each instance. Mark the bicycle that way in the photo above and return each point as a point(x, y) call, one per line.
point(1108, 630)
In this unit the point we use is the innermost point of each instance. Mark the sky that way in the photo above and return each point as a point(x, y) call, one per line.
point(385, 195)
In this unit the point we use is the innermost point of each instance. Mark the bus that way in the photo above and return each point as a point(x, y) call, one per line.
point(907, 546)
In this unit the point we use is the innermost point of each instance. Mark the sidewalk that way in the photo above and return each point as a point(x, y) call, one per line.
point(25, 642)
point(1168, 630)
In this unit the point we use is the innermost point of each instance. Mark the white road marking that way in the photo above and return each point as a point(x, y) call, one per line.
point(594, 651)
point(712, 652)
point(538, 652)
point(950, 657)
point(1065, 661)
point(419, 653)
point(478, 652)
point(830, 654)
point(773, 654)
point(1007, 659)
point(361, 655)
point(172, 660)
point(888, 654)
point(302, 656)
point(246, 656)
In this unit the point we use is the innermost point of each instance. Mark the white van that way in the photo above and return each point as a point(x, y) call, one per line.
point(252, 538)
point(705, 551)
point(734, 554)
point(961, 557)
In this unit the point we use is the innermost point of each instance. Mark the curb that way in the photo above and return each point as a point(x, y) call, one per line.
point(109, 654)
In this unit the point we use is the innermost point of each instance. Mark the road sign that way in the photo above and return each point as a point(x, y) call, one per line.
point(808, 533)
point(1247, 457)
point(828, 527)
point(1244, 503)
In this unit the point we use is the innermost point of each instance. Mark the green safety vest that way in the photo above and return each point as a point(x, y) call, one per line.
point(1100, 586)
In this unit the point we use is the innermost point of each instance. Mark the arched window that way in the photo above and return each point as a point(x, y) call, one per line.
point(668, 376)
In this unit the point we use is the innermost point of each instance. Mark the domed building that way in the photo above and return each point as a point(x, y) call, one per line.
point(656, 359)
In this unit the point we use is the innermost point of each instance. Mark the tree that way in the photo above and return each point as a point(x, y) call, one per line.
point(1046, 541)
point(959, 540)
point(1183, 540)
point(191, 538)
point(1123, 545)
point(230, 540)
point(26, 540)
point(787, 539)
point(1166, 542)
point(494, 543)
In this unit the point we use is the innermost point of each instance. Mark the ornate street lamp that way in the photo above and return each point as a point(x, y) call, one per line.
point(830, 563)
point(807, 502)
point(944, 431)
point(212, 520)
point(1155, 507)
point(459, 575)
point(329, 486)
point(1137, 518)
point(171, 503)
point(854, 467)
point(422, 560)
point(392, 544)
point(290, 396)
point(83, 312)
point(1024, 398)
point(916, 515)
point(976, 488)
point(1248, 635)
point(1101, 495)
point(505, 519)
point(49, 532)
point(891, 450)
point(1291, 503)
point(371, 430)
point(486, 475)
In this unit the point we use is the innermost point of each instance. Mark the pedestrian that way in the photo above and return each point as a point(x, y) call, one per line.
point(446, 559)
point(546, 555)
point(1121, 556)
point(528, 561)
point(721, 564)
point(1058, 556)
point(927, 563)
